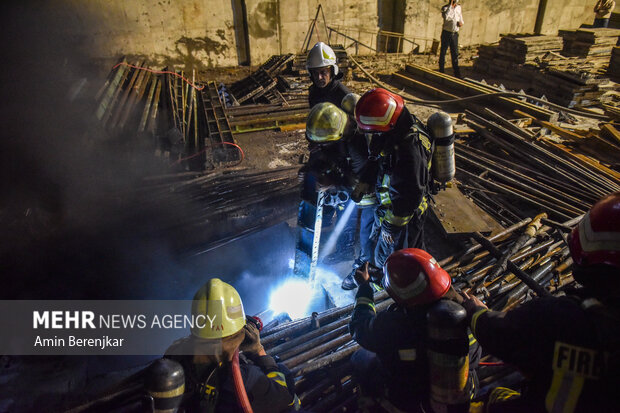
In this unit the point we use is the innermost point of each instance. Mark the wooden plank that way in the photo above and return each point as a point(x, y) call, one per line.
point(610, 133)
point(459, 216)
point(475, 89)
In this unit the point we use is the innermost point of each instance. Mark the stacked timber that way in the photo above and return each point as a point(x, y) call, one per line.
point(263, 85)
point(614, 63)
point(568, 81)
point(526, 49)
point(514, 50)
point(589, 42)
point(569, 87)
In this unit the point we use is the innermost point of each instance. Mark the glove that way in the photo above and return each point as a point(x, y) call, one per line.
point(361, 274)
point(360, 189)
point(251, 342)
point(389, 232)
point(387, 236)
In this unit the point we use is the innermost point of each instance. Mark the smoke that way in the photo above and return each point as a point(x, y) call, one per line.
point(66, 184)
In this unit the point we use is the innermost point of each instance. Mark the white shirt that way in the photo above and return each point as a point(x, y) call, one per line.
point(452, 16)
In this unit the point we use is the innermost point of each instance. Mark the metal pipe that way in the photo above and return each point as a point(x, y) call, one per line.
point(527, 280)
point(310, 343)
point(512, 192)
point(567, 198)
point(500, 235)
point(308, 336)
point(323, 348)
point(325, 361)
point(528, 234)
point(336, 313)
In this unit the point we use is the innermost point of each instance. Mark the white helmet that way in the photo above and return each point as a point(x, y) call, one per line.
point(321, 55)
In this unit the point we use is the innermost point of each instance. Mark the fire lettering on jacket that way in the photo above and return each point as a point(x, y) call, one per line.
point(580, 361)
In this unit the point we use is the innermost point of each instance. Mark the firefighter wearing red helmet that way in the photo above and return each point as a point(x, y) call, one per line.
point(566, 347)
point(400, 153)
point(393, 364)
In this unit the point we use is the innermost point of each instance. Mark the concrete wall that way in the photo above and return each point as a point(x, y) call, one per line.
point(567, 14)
point(183, 32)
point(280, 26)
point(207, 33)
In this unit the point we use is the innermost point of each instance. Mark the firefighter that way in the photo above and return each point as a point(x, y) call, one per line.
point(567, 347)
point(393, 365)
point(323, 70)
point(338, 155)
point(400, 153)
point(211, 360)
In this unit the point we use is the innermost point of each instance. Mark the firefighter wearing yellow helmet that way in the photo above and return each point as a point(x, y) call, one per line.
point(219, 304)
point(327, 123)
point(338, 154)
point(224, 364)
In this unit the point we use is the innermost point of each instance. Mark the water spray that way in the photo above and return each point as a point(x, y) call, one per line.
point(330, 245)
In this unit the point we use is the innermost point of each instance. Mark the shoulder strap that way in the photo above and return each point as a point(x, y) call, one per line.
point(210, 391)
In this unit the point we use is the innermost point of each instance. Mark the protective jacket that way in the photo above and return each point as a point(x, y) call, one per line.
point(339, 163)
point(210, 388)
point(403, 160)
point(333, 92)
point(399, 338)
point(567, 347)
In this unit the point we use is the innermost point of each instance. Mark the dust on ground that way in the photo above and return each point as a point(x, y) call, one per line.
point(272, 149)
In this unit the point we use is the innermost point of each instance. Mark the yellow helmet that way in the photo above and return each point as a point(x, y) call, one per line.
point(217, 310)
point(326, 123)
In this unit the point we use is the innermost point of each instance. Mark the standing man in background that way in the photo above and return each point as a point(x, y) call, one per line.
point(452, 22)
point(602, 10)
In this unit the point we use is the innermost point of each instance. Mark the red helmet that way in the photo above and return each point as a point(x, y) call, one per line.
point(596, 239)
point(413, 277)
point(378, 110)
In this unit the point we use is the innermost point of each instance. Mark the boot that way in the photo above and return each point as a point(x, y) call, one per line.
point(349, 283)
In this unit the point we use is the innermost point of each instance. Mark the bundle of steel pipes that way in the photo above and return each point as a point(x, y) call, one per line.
point(512, 172)
point(129, 98)
point(184, 120)
point(198, 212)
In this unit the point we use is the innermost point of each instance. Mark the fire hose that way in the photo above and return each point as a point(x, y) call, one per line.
point(240, 393)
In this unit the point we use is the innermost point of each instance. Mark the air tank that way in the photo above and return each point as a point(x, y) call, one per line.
point(448, 357)
point(439, 125)
point(165, 383)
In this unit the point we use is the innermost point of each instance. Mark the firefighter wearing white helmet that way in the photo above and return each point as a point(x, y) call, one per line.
point(224, 363)
point(323, 69)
